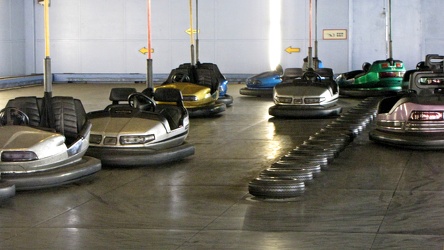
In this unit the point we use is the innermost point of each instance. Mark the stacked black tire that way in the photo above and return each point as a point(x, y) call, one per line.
point(288, 177)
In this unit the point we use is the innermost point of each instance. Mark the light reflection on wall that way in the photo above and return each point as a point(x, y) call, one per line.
point(275, 36)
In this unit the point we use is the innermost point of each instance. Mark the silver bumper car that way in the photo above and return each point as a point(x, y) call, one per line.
point(137, 131)
point(315, 94)
point(44, 147)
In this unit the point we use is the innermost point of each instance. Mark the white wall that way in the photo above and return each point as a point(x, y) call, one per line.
point(91, 36)
point(368, 33)
point(12, 37)
point(432, 37)
point(104, 36)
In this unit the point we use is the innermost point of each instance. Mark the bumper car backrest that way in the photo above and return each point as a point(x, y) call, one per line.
point(434, 62)
point(69, 117)
point(325, 73)
point(30, 105)
point(292, 73)
point(118, 95)
point(220, 77)
point(207, 77)
point(173, 114)
point(168, 95)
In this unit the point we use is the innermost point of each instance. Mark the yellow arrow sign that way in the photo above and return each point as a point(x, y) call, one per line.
point(290, 50)
point(188, 31)
point(144, 50)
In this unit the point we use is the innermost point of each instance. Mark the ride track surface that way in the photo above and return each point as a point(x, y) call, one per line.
point(370, 197)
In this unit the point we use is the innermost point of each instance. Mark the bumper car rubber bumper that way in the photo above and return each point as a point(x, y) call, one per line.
point(256, 91)
point(365, 92)
point(299, 112)
point(7, 190)
point(140, 156)
point(409, 140)
point(227, 99)
point(209, 110)
point(76, 171)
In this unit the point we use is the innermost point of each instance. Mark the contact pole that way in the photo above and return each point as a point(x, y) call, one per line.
point(197, 31)
point(47, 114)
point(316, 30)
point(191, 33)
point(389, 30)
point(47, 79)
point(149, 60)
point(310, 49)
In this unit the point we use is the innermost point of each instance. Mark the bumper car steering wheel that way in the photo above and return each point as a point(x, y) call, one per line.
point(181, 77)
point(142, 102)
point(311, 75)
point(13, 116)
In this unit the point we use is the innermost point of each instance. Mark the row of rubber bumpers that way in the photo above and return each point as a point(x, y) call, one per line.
point(288, 177)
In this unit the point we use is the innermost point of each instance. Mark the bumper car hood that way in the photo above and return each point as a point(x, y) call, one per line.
point(117, 125)
point(188, 88)
point(304, 90)
point(23, 138)
point(267, 74)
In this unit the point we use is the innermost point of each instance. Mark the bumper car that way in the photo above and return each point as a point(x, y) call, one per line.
point(43, 143)
point(136, 130)
point(416, 118)
point(262, 84)
point(315, 94)
point(383, 77)
point(199, 85)
point(224, 97)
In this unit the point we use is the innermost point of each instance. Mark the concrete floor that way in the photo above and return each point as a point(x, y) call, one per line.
point(371, 197)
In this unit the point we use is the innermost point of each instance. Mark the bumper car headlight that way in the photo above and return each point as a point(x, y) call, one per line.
point(95, 139)
point(17, 156)
point(314, 100)
point(426, 116)
point(189, 98)
point(136, 139)
point(284, 99)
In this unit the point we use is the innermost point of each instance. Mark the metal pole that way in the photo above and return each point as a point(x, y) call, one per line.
point(191, 33)
point(197, 31)
point(389, 30)
point(47, 80)
point(310, 49)
point(316, 30)
point(149, 60)
point(47, 75)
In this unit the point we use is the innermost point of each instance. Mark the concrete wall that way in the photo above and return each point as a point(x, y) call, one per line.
point(368, 33)
point(104, 36)
point(12, 37)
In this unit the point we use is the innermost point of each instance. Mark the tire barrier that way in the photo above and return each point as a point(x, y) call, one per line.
point(272, 187)
point(289, 176)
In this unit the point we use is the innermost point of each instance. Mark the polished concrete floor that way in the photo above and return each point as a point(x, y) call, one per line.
point(371, 196)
